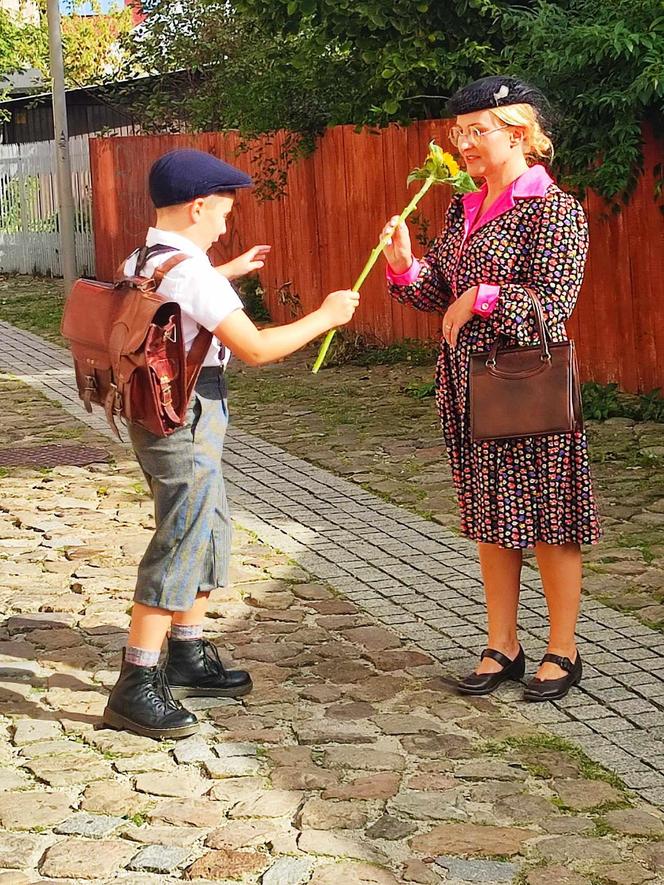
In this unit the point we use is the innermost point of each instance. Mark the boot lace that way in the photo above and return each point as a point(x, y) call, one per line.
point(161, 691)
point(211, 659)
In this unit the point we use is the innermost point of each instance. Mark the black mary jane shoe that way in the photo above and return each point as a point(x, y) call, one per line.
point(554, 689)
point(485, 683)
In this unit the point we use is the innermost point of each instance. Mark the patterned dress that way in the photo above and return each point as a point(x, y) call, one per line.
point(513, 492)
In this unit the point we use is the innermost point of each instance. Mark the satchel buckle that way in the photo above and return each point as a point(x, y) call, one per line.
point(117, 401)
point(88, 390)
point(171, 335)
point(491, 363)
point(165, 383)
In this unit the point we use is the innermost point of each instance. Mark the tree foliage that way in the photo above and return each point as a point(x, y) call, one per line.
point(263, 65)
point(18, 44)
point(91, 43)
point(603, 64)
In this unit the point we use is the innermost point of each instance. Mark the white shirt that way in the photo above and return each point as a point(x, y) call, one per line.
point(205, 296)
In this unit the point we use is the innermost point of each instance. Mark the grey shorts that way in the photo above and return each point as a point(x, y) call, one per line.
point(190, 550)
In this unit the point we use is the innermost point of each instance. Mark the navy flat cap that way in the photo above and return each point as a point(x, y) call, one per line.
point(182, 175)
point(495, 92)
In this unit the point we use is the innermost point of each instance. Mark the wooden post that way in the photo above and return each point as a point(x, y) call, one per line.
point(65, 194)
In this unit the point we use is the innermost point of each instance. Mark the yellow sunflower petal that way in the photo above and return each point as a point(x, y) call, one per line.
point(451, 163)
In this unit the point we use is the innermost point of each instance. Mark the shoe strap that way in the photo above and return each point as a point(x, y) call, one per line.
point(563, 663)
point(502, 659)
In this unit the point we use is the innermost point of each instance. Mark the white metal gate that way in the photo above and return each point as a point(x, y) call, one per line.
point(29, 238)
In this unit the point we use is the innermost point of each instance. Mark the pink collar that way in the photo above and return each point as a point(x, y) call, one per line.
point(532, 183)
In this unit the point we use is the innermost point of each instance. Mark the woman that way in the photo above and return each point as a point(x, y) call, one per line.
point(519, 231)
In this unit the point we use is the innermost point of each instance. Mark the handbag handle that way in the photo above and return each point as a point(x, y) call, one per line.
point(545, 353)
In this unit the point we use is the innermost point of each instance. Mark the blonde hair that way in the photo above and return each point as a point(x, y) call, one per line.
point(538, 144)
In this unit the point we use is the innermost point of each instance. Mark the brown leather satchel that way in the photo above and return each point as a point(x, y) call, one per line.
point(525, 391)
point(128, 347)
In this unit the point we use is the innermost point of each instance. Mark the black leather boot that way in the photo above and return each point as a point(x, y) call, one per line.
point(194, 670)
point(141, 702)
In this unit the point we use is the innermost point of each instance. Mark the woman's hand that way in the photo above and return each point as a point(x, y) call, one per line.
point(339, 307)
point(457, 315)
point(397, 250)
point(252, 259)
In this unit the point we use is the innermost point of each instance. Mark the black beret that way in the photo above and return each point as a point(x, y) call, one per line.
point(182, 175)
point(495, 92)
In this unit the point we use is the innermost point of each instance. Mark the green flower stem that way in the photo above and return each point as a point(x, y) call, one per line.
point(373, 258)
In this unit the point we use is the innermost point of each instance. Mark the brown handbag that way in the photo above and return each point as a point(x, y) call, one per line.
point(128, 349)
point(525, 391)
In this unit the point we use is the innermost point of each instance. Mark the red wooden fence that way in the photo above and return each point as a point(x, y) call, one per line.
point(336, 203)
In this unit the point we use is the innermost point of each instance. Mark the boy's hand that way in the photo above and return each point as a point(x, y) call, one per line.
point(252, 259)
point(339, 307)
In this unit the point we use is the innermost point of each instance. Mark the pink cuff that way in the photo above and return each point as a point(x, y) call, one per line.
point(486, 299)
point(407, 277)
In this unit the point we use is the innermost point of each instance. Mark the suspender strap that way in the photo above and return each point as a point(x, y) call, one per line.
point(147, 252)
point(199, 347)
point(143, 254)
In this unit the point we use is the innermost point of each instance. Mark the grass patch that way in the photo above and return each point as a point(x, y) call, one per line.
point(34, 304)
point(602, 828)
point(421, 391)
point(359, 350)
point(67, 433)
point(586, 766)
point(642, 543)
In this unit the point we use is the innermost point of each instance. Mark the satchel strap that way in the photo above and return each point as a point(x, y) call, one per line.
point(167, 267)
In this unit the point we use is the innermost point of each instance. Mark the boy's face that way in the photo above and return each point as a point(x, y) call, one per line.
point(211, 213)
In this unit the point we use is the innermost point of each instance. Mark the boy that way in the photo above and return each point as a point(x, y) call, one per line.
point(193, 193)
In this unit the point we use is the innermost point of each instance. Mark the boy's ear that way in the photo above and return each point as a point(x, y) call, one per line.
point(195, 208)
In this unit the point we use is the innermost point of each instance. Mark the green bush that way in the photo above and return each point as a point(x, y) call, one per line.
point(600, 401)
point(253, 297)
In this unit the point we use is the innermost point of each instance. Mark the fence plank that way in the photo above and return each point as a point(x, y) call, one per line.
point(29, 240)
point(338, 200)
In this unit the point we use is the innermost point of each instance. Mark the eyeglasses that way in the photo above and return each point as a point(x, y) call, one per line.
point(473, 135)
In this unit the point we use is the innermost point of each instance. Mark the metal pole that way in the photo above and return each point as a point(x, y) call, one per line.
point(65, 194)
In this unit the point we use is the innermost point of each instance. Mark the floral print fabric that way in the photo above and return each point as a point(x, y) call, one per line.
point(514, 492)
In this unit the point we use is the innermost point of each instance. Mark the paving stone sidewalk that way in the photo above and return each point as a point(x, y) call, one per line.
point(352, 760)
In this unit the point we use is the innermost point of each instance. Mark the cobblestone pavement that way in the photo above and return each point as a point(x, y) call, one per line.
point(359, 422)
point(352, 761)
